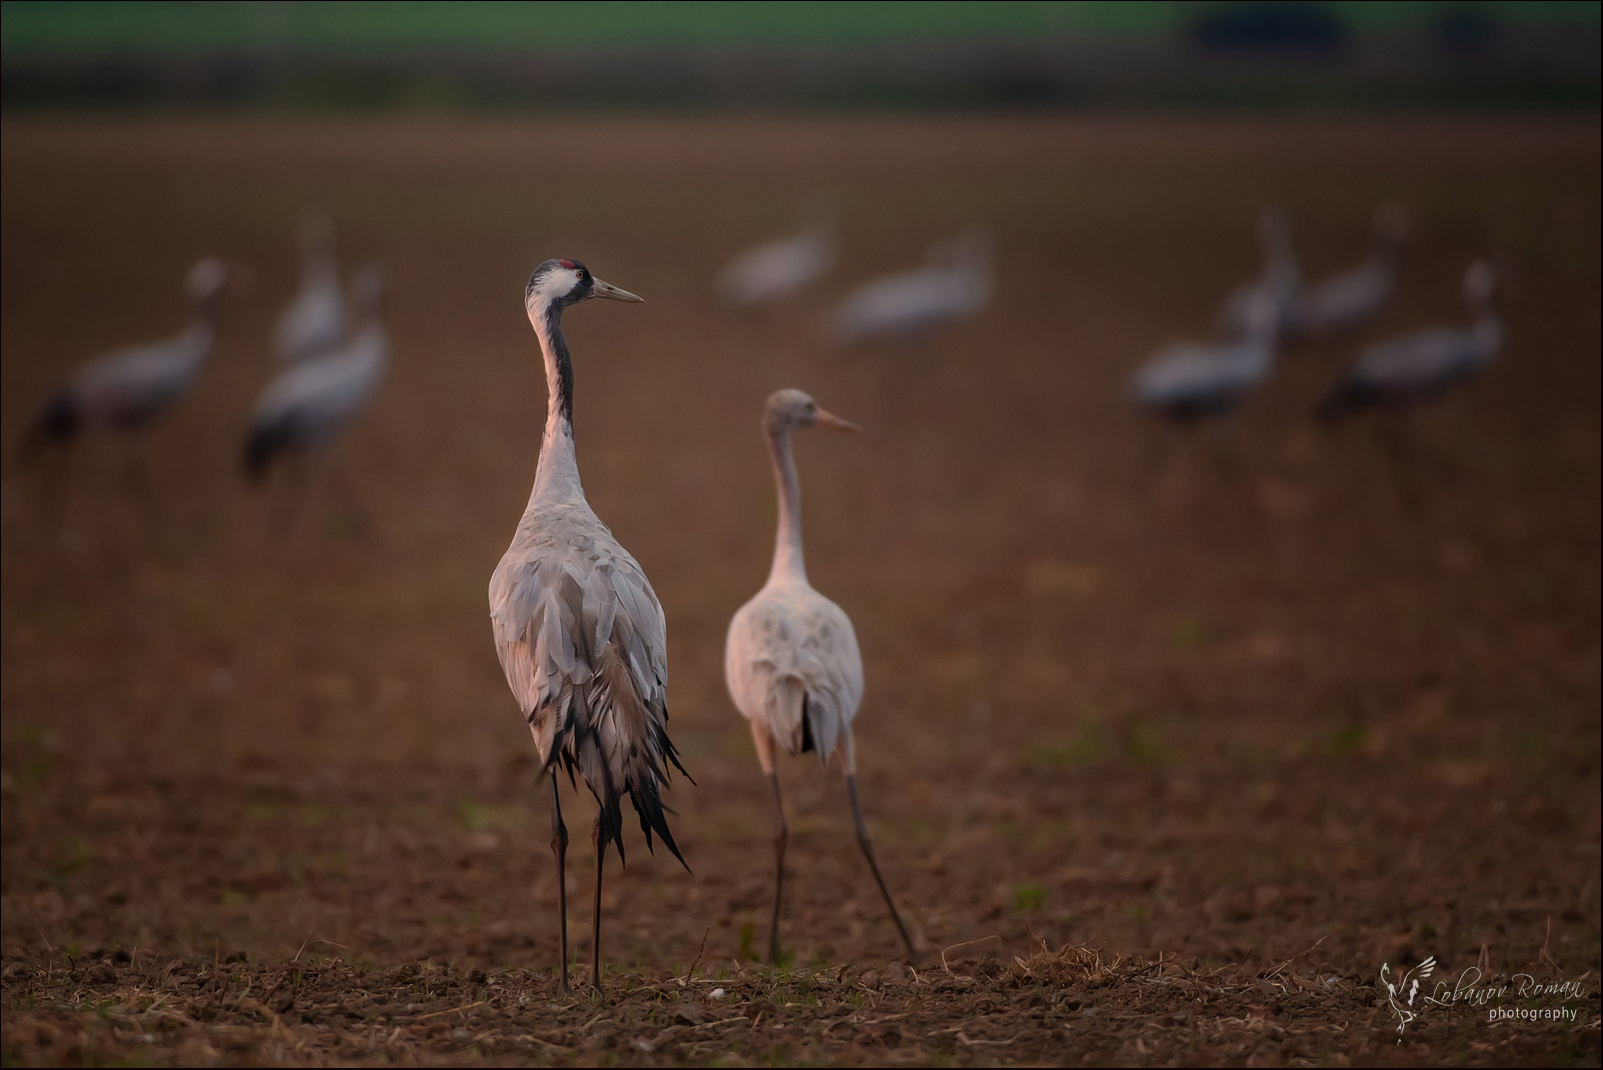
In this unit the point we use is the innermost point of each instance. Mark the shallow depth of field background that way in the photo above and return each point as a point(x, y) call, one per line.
point(1117, 699)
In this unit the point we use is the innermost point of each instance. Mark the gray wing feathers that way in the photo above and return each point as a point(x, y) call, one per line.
point(583, 643)
point(558, 604)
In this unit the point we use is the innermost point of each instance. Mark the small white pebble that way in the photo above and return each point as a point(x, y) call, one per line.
point(716, 993)
point(147, 1038)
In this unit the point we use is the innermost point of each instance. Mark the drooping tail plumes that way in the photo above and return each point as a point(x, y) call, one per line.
point(620, 749)
point(57, 425)
point(262, 444)
point(648, 799)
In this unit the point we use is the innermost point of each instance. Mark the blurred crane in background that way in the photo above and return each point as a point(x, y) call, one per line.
point(956, 282)
point(1356, 296)
point(1281, 280)
point(1416, 367)
point(314, 323)
point(580, 634)
point(308, 405)
point(1189, 381)
point(791, 660)
point(778, 270)
point(1399, 373)
point(130, 389)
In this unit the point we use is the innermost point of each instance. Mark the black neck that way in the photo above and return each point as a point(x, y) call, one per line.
point(563, 401)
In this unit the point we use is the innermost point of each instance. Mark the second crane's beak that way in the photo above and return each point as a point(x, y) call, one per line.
point(606, 289)
point(833, 422)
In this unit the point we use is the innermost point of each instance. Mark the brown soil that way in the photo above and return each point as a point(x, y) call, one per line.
point(1164, 757)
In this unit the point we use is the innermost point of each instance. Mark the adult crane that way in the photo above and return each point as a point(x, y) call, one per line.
point(1398, 374)
point(1416, 367)
point(128, 390)
point(580, 634)
point(777, 270)
point(1353, 297)
point(1188, 381)
point(956, 282)
point(309, 404)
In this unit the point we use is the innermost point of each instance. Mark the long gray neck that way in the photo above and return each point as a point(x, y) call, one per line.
point(1487, 329)
point(558, 472)
point(202, 325)
point(318, 265)
point(788, 562)
point(1385, 253)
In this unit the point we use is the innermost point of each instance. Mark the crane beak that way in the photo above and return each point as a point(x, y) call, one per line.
point(833, 422)
point(606, 289)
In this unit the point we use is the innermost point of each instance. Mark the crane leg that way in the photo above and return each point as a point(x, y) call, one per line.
point(1403, 461)
point(1225, 449)
point(287, 508)
point(868, 852)
point(559, 847)
point(357, 520)
point(765, 757)
point(55, 485)
point(1162, 446)
point(781, 837)
point(135, 478)
point(595, 932)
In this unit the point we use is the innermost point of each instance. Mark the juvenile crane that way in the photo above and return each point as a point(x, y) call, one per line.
point(1411, 368)
point(956, 282)
point(314, 323)
point(578, 629)
point(791, 660)
point(777, 270)
point(1281, 280)
point(1354, 297)
point(129, 389)
point(309, 404)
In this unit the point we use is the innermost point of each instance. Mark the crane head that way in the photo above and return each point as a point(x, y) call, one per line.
point(560, 283)
point(206, 279)
point(1480, 283)
point(787, 409)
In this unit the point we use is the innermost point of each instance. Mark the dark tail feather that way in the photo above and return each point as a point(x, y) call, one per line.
point(671, 754)
point(654, 817)
point(1348, 396)
point(262, 444)
point(645, 766)
point(593, 767)
point(643, 782)
point(57, 425)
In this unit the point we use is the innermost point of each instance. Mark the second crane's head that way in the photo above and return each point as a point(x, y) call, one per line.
point(556, 284)
point(789, 409)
